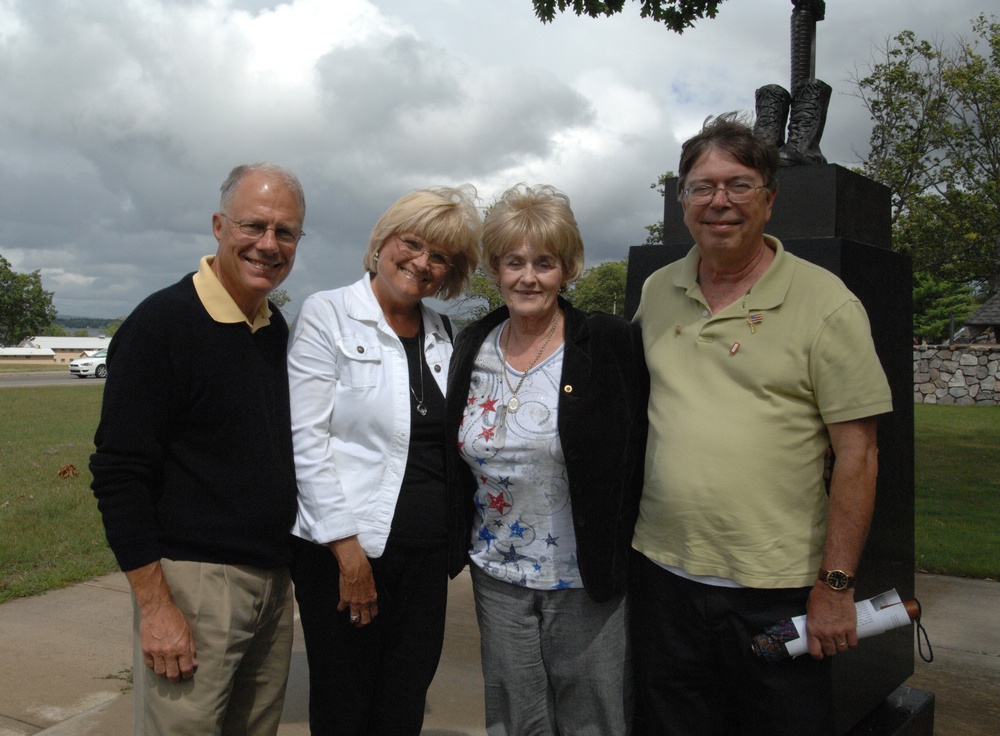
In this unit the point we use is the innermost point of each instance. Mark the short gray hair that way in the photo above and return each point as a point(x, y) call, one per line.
point(271, 171)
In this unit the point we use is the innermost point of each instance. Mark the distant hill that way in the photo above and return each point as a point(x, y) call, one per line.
point(80, 323)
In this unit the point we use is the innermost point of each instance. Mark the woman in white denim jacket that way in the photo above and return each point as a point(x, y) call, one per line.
point(367, 368)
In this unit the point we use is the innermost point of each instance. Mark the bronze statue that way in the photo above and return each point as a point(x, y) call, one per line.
point(808, 101)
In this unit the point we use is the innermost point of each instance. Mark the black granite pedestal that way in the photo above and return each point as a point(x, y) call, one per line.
point(838, 219)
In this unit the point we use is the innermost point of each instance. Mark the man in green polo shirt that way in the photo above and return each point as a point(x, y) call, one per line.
point(758, 362)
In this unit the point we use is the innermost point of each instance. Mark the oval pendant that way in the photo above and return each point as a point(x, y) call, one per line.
point(421, 409)
point(512, 404)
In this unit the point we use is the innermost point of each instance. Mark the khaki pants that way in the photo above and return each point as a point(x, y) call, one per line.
point(242, 619)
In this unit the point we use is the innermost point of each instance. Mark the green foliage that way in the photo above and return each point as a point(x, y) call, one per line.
point(51, 530)
point(654, 232)
point(25, 308)
point(957, 490)
point(601, 288)
point(905, 97)
point(935, 303)
point(54, 330)
point(677, 15)
point(279, 297)
point(482, 298)
point(935, 143)
point(111, 327)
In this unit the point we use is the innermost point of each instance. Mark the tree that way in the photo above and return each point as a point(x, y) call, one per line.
point(482, 297)
point(935, 143)
point(279, 297)
point(25, 308)
point(654, 232)
point(54, 330)
point(111, 327)
point(677, 15)
point(936, 303)
point(601, 288)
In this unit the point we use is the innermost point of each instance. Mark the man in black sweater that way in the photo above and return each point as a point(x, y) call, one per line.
point(194, 475)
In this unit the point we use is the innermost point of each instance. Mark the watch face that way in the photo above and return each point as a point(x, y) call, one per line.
point(837, 579)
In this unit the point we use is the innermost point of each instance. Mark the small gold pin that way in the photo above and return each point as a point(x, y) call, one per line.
point(677, 329)
point(734, 348)
point(753, 320)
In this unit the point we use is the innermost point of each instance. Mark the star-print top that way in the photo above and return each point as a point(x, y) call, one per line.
point(523, 526)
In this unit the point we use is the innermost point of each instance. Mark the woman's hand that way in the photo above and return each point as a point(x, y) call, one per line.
point(357, 584)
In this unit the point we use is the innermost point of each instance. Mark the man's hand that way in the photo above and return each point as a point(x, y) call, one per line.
point(831, 621)
point(357, 583)
point(167, 641)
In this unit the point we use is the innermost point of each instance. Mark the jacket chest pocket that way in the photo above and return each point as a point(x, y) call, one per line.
point(360, 362)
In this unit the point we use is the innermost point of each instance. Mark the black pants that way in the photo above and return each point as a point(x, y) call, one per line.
point(371, 681)
point(695, 672)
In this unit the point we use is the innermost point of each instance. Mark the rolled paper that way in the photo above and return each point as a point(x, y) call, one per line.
point(787, 638)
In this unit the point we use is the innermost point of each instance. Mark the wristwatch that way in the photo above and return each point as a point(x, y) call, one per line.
point(837, 579)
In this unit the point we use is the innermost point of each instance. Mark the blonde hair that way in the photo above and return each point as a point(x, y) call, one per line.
point(445, 217)
point(540, 215)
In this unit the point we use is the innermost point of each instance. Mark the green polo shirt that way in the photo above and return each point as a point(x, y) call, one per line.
point(738, 407)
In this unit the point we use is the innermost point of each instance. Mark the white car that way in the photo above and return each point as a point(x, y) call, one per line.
point(95, 365)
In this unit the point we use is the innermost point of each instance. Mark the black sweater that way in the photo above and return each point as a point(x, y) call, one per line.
point(194, 448)
point(602, 429)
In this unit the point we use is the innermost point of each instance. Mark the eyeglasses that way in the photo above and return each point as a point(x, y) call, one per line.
point(412, 249)
point(738, 192)
point(256, 231)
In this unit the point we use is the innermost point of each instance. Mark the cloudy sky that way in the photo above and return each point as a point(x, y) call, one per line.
point(121, 118)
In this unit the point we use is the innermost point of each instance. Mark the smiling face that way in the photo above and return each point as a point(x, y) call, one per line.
point(726, 232)
point(249, 268)
point(406, 272)
point(530, 281)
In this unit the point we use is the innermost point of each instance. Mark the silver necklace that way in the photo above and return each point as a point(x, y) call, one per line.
point(421, 406)
point(513, 403)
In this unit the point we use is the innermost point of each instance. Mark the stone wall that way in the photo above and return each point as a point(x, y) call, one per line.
point(964, 375)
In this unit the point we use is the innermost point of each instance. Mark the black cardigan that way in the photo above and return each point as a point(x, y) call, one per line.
point(602, 428)
point(193, 453)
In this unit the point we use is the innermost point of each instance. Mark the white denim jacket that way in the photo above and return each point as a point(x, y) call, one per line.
point(350, 399)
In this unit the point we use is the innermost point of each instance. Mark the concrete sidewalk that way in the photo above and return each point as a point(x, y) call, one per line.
point(64, 657)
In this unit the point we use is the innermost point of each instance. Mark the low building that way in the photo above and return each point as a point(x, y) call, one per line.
point(65, 349)
point(27, 356)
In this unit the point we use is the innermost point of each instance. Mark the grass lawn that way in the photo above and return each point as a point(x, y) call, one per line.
point(51, 533)
point(958, 490)
point(23, 368)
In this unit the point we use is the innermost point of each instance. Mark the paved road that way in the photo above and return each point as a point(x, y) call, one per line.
point(45, 378)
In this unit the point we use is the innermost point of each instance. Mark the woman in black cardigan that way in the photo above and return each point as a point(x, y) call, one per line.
point(546, 421)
